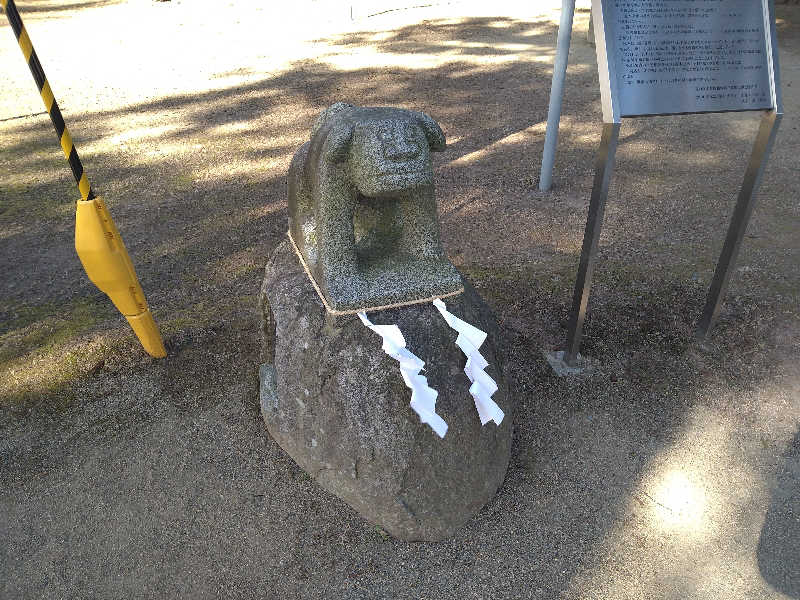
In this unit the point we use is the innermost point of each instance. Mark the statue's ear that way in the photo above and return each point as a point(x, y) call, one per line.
point(337, 143)
point(432, 131)
point(326, 114)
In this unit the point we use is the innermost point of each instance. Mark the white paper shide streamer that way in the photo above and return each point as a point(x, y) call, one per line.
point(423, 397)
point(483, 387)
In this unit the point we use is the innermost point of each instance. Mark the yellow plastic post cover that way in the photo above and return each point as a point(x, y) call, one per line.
point(145, 328)
point(108, 265)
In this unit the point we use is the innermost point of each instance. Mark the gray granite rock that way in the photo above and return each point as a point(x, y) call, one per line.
point(337, 404)
point(362, 207)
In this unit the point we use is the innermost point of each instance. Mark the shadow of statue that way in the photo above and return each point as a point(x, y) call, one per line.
point(779, 545)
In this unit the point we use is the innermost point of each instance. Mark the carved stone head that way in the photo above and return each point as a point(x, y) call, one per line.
point(362, 209)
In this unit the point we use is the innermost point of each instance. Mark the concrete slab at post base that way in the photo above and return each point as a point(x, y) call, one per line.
point(583, 364)
point(337, 404)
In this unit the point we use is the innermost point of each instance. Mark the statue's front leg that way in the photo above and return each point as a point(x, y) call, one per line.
point(338, 274)
point(420, 225)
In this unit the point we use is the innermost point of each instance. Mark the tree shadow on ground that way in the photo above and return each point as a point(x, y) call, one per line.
point(201, 205)
point(778, 557)
point(48, 6)
point(35, 11)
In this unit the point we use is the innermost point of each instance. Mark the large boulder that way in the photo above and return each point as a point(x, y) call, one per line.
point(337, 404)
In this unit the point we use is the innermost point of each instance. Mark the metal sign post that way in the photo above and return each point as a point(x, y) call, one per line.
point(604, 166)
point(556, 94)
point(680, 57)
point(741, 216)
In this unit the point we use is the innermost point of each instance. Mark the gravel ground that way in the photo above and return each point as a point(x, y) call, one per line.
point(673, 471)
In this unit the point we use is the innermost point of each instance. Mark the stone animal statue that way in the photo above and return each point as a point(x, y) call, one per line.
point(362, 209)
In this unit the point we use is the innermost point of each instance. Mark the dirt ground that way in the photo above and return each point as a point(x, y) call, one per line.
point(673, 471)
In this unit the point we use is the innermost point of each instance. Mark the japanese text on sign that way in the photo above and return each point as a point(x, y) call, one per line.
point(681, 56)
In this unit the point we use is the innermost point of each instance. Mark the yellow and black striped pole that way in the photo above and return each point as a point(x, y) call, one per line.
point(97, 241)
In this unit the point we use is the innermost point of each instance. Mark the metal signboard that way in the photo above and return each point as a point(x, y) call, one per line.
point(684, 56)
point(660, 57)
